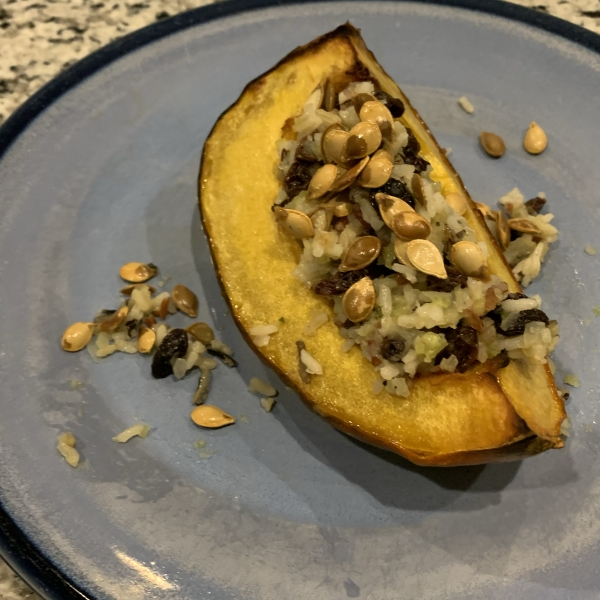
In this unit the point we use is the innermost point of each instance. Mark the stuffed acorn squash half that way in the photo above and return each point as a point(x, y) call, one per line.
point(357, 266)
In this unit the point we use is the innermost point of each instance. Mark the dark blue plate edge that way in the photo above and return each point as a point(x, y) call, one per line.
point(16, 548)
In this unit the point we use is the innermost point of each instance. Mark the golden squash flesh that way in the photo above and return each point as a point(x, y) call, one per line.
point(491, 413)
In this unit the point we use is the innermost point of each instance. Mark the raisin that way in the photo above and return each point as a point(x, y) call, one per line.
point(394, 105)
point(455, 279)
point(174, 345)
point(396, 188)
point(516, 296)
point(463, 343)
point(392, 349)
point(412, 146)
point(338, 283)
point(420, 164)
point(534, 205)
point(517, 325)
point(297, 178)
point(304, 151)
point(411, 153)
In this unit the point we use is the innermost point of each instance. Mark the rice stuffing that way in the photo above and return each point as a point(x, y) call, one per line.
point(406, 316)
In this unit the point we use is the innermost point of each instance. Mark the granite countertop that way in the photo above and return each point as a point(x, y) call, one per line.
point(41, 38)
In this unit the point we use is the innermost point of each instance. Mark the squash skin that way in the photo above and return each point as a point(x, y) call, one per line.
point(457, 419)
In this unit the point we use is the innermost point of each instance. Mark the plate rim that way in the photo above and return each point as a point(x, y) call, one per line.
point(19, 551)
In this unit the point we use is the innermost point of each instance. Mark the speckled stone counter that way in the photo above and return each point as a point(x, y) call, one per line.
point(39, 39)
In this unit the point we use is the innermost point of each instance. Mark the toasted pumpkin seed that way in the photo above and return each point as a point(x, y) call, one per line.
point(457, 202)
point(363, 139)
point(341, 209)
point(185, 300)
point(359, 99)
point(332, 143)
point(66, 446)
point(418, 190)
point(294, 222)
point(361, 253)
point(328, 96)
point(535, 140)
point(377, 113)
point(202, 332)
point(502, 229)
point(425, 257)
point(359, 300)
point(114, 321)
point(146, 339)
point(377, 172)
point(485, 211)
point(390, 206)
point(136, 272)
point(400, 252)
point(212, 417)
point(492, 144)
point(524, 226)
point(128, 289)
point(468, 258)
point(321, 182)
point(77, 336)
point(347, 178)
point(411, 226)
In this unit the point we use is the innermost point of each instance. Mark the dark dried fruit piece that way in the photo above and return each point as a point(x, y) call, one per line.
point(534, 205)
point(411, 153)
point(174, 345)
point(297, 178)
point(455, 279)
point(338, 283)
point(516, 296)
point(394, 105)
point(392, 349)
point(396, 188)
point(462, 342)
point(516, 325)
point(304, 151)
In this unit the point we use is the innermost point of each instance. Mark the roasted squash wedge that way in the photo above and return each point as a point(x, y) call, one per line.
point(493, 412)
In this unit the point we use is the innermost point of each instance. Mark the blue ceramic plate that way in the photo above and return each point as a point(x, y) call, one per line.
point(100, 168)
